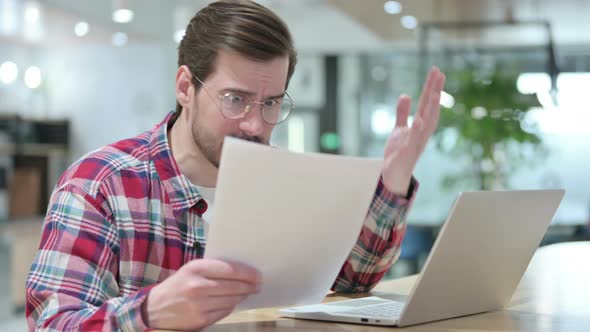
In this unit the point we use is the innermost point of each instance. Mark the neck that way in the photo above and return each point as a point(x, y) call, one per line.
point(188, 156)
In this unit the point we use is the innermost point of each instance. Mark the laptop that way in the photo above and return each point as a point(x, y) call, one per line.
point(475, 265)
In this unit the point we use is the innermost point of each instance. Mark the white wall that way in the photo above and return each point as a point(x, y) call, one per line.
point(109, 93)
point(16, 97)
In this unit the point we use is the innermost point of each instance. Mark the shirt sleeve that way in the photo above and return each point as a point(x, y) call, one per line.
point(72, 284)
point(379, 242)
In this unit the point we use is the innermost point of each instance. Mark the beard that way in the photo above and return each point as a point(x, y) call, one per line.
point(211, 147)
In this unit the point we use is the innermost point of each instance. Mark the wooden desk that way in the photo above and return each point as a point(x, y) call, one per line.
point(554, 295)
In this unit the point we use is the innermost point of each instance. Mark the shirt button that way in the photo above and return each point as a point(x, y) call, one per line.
point(201, 207)
point(197, 245)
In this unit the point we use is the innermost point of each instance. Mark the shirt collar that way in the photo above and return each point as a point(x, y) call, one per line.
point(183, 194)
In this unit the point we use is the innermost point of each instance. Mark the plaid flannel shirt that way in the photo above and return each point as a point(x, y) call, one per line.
point(124, 218)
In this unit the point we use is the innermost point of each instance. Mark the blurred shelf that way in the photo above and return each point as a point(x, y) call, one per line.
point(33, 149)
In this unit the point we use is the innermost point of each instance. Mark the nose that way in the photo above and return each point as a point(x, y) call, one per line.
point(253, 124)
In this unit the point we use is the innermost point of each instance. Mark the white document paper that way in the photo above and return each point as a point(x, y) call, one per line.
point(294, 217)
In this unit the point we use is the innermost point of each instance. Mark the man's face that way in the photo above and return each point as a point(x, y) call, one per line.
point(233, 72)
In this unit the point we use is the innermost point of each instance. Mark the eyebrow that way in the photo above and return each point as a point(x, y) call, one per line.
point(251, 94)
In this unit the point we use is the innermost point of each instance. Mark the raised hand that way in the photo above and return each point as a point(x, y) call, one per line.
point(405, 144)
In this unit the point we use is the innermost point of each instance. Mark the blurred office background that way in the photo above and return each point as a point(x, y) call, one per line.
point(79, 74)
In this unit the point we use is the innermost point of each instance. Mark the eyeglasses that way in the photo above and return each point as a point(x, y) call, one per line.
point(236, 105)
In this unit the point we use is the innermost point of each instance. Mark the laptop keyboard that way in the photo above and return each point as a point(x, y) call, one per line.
point(385, 310)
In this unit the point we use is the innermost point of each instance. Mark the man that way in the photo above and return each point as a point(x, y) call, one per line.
point(124, 235)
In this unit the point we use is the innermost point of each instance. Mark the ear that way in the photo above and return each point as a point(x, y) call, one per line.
point(185, 91)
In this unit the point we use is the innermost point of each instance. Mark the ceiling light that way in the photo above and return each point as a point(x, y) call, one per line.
point(178, 35)
point(479, 113)
point(8, 72)
point(119, 39)
point(382, 120)
point(32, 13)
point(392, 7)
point(123, 15)
point(9, 20)
point(529, 83)
point(446, 100)
point(379, 73)
point(33, 77)
point(32, 21)
point(121, 12)
point(409, 22)
point(81, 29)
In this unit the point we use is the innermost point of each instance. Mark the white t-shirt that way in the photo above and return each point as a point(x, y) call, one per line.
point(208, 194)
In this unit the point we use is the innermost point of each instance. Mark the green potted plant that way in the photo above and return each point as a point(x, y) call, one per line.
point(484, 129)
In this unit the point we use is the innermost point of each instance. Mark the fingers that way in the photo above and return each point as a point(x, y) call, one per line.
point(217, 269)
point(426, 90)
point(435, 91)
point(222, 287)
point(432, 108)
point(417, 130)
point(429, 110)
point(200, 293)
point(223, 302)
point(404, 104)
point(441, 82)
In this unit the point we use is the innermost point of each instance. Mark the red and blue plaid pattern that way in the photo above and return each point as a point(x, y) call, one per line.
point(124, 218)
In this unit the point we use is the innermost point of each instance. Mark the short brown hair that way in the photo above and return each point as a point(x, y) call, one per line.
point(243, 26)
